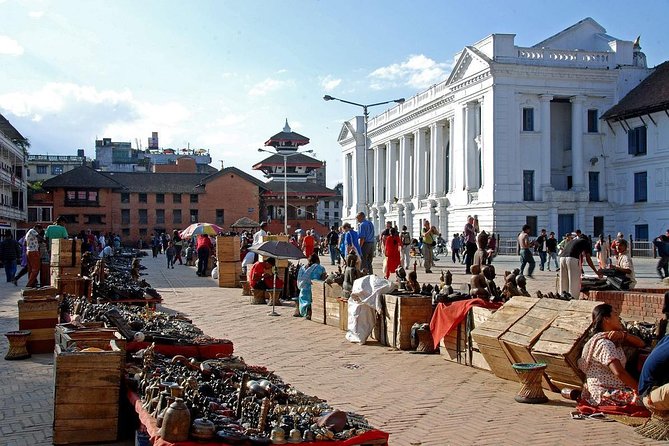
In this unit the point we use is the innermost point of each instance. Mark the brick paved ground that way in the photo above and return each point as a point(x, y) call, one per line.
point(419, 399)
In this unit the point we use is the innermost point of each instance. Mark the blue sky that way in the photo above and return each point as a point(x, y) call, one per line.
point(224, 75)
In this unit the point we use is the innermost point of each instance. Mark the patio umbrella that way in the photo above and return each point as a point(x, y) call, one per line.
point(201, 228)
point(279, 250)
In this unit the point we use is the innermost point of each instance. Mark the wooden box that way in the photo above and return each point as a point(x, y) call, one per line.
point(86, 395)
point(61, 271)
point(401, 312)
point(343, 314)
point(67, 337)
point(74, 286)
point(45, 292)
point(65, 252)
point(276, 238)
point(40, 317)
point(561, 344)
point(318, 312)
point(228, 249)
point(459, 346)
point(229, 274)
point(333, 292)
point(487, 335)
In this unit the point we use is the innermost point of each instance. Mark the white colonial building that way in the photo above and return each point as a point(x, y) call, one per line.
point(514, 135)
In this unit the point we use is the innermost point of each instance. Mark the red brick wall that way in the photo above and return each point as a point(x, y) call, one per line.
point(105, 201)
point(237, 197)
point(636, 305)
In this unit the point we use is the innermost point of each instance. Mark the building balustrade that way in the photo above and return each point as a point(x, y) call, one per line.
point(548, 56)
point(566, 196)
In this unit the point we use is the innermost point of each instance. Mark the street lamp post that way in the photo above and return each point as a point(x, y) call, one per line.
point(285, 182)
point(365, 108)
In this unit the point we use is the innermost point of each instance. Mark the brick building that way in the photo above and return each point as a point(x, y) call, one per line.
point(136, 204)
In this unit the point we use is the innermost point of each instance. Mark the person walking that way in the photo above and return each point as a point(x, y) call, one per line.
point(470, 243)
point(155, 245)
point(366, 234)
point(540, 245)
point(526, 256)
point(392, 251)
point(429, 234)
point(9, 253)
point(551, 249)
point(603, 251)
point(178, 247)
point(24, 261)
point(406, 247)
point(203, 248)
point(662, 245)
point(32, 251)
point(308, 243)
point(455, 247)
point(333, 245)
point(170, 253)
point(570, 264)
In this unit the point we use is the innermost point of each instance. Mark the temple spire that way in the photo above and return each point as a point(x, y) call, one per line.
point(286, 128)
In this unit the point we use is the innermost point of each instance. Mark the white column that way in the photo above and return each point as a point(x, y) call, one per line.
point(470, 146)
point(405, 168)
point(379, 174)
point(391, 173)
point(577, 177)
point(437, 164)
point(545, 144)
point(419, 153)
point(451, 145)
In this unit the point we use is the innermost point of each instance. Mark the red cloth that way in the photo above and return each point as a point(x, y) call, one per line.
point(308, 245)
point(631, 410)
point(392, 251)
point(150, 423)
point(447, 316)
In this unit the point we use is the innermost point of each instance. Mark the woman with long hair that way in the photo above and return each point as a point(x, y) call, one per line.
point(392, 251)
point(603, 361)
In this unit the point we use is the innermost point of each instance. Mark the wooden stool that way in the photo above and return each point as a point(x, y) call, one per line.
point(274, 295)
point(530, 375)
point(246, 288)
point(18, 341)
point(257, 297)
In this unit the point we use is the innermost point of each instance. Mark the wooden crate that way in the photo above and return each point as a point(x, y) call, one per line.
point(229, 274)
point(343, 314)
point(65, 252)
point(40, 317)
point(561, 344)
point(488, 334)
point(459, 346)
point(333, 293)
point(228, 249)
point(401, 312)
point(318, 311)
point(68, 337)
point(275, 238)
point(86, 395)
point(45, 292)
point(74, 286)
point(62, 271)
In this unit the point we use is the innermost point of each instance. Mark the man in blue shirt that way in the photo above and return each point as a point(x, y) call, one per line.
point(351, 240)
point(366, 234)
point(654, 379)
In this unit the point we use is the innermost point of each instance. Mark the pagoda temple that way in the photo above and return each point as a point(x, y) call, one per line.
point(305, 183)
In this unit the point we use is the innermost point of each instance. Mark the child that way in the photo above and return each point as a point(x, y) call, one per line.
point(171, 253)
point(189, 255)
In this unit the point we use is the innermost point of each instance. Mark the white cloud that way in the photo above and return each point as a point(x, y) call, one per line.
point(10, 47)
point(267, 86)
point(36, 14)
point(418, 71)
point(329, 83)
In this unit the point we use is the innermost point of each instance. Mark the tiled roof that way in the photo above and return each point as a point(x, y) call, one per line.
point(294, 160)
point(283, 137)
point(234, 170)
point(651, 95)
point(9, 131)
point(82, 177)
point(184, 183)
point(299, 188)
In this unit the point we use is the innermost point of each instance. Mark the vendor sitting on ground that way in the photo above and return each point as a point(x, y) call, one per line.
point(654, 380)
point(603, 361)
point(261, 276)
point(623, 263)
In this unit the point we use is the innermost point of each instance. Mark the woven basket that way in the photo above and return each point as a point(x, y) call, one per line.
point(425, 341)
point(257, 297)
point(246, 288)
point(274, 295)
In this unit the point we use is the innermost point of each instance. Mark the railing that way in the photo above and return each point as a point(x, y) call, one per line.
point(640, 248)
point(13, 213)
point(548, 56)
point(70, 158)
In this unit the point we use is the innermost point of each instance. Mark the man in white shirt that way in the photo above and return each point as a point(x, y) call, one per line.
point(258, 236)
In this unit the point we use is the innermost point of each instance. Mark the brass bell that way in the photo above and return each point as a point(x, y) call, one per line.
point(278, 436)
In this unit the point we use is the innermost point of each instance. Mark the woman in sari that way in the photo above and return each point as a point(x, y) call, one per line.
point(393, 250)
point(603, 361)
point(313, 271)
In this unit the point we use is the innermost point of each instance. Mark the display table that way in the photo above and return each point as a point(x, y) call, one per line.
point(373, 437)
point(199, 351)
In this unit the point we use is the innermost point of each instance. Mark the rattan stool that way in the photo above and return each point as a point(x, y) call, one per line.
point(530, 375)
point(274, 296)
point(246, 288)
point(18, 341)
point(257, 297)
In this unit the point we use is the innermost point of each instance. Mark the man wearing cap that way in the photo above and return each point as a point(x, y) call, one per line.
point(366, 234)
point(570, 264)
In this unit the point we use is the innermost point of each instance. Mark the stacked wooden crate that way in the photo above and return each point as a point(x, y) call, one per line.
point(400, 313)
point(66, 268)
point(86, 395)
point(488, 334)
point(459, 346)
point(91, 335)
point(561, 344)
point(281, 264)
point(229, 262)
point(39, 314)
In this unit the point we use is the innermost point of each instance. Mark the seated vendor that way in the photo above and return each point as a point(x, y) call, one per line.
point(624, 263)
point(603, 361)
point(261, 276)
point(654, 380)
